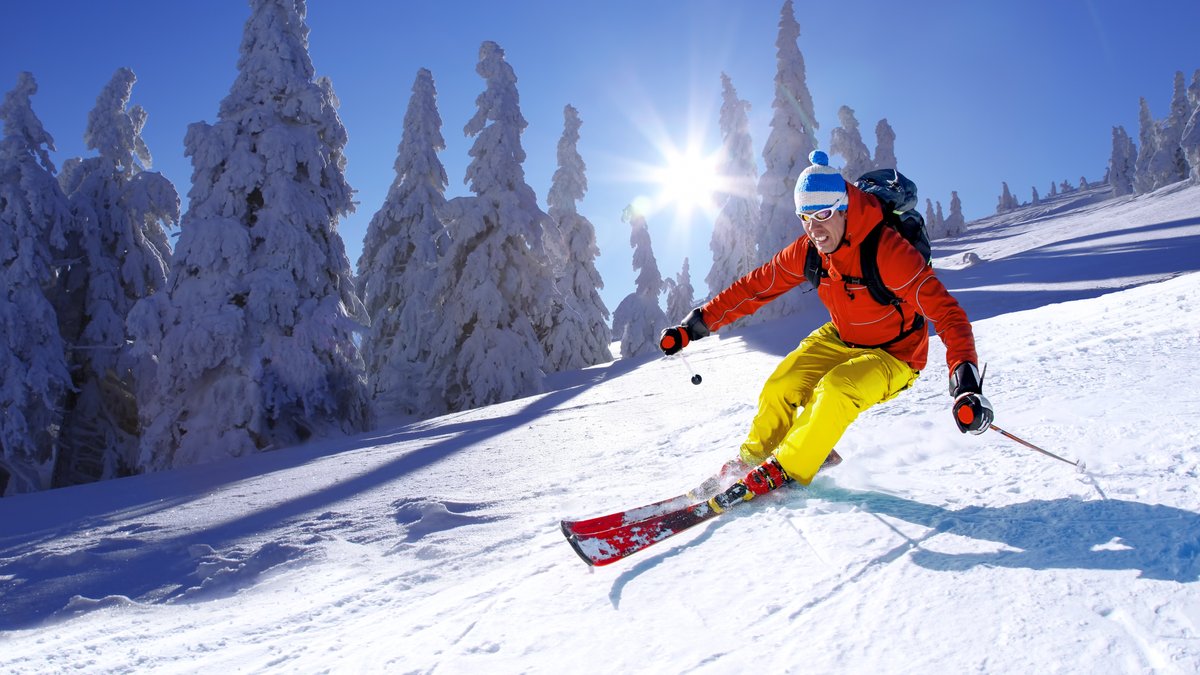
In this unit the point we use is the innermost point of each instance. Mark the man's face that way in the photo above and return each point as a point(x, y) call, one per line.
point(826, 234)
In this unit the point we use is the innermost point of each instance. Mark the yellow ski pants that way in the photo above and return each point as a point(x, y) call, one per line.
point(832, 383)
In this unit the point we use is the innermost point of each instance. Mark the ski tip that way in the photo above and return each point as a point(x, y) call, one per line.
point(574, 542)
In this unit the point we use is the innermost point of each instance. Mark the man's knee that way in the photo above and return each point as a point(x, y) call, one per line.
point(842, 389)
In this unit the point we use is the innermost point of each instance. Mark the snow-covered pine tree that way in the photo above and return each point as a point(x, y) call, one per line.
point(955, 223)
point(733, 237)
point(34, 217)
point(681, 295)
point(1168, 164)
point(116, 255)
point(1053, 189)
point(584, 338)
point(785, 154)
point(942, 226)
point(254, 331)
point(494, 282)
point(1121, 164)
point(399, 263)
point(1007, 201)
point(1036, 199)
point(1190, 142)
point(931, 224)
point(885, 146)
point(847, 141)
point(639, 318)
point(1143, 177)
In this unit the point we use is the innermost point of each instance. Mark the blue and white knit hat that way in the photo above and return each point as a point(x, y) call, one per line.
point(819, 186)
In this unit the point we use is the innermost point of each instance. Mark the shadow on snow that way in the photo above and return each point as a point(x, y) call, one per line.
point(1160, 542)
point(121, 562)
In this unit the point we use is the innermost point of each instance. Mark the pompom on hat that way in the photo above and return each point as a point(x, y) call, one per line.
point(819, 186)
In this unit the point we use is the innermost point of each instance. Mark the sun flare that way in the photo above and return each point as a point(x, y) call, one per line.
point(688, 180)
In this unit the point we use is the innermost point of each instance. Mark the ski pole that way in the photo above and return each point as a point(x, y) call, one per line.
point(1078, 464)
point(696, 379)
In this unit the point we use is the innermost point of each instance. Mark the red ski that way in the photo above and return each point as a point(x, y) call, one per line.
point(629, 516)
point(602, 547)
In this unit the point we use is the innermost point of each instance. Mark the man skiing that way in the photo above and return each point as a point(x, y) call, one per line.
point(866, 354)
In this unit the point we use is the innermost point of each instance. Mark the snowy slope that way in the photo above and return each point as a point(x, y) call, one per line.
point(435, 546)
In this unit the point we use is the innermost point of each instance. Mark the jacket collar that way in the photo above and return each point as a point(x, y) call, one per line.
point(863, 213)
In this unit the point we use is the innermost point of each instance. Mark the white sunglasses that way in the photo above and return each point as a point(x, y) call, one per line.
point(822, 215)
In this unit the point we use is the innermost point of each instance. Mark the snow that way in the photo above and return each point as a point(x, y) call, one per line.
point(435, 546)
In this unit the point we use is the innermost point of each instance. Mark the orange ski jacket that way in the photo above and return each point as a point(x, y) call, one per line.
point(858, 318)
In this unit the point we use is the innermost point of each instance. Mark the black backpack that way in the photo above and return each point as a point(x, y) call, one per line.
point(898, 197)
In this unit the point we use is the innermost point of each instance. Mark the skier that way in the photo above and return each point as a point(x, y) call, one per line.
point(866, 354)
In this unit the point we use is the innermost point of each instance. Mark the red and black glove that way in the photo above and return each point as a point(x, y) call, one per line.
point(676, 338)
point(972, 412)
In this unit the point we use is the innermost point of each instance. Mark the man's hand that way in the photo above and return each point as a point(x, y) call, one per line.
point(973, 413)
point(672, 340)
point(675, 338)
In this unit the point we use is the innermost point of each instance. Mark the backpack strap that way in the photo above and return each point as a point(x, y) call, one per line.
point(813, 271)
point(917, 324)
point(868, 253)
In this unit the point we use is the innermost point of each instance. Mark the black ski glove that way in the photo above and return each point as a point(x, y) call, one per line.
point(972, 412)
point(676, 338)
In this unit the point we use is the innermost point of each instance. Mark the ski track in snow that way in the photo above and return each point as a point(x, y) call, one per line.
point(434, 546)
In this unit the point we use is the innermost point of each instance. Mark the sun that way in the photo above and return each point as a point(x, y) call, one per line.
point(688, 180)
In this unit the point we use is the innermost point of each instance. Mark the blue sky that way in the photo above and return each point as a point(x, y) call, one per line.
point(978, 92)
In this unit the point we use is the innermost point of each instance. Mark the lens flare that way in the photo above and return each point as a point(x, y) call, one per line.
point(689, 180)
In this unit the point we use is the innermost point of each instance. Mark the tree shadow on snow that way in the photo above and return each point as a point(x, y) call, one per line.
point(1161, 542)
point(90, 550)
point(1075, 269)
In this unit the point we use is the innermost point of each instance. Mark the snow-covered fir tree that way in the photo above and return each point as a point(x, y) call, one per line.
point(580, 336)
point(116, 255)
point(885, 146)
point(1143, 176)
point(733, 237)
point(34, 216)
point(494, 283)
point(1036, 198)
point(1190, 143)
point(932, 227)
point(1122, 162)
point(639, 318)
point(941, 220)
point(785, 154)
point(1168, 165)
point(254, 330)
point(1007, 201)
point(1053, 189)
point(399, 263)
point(847, 141)
point(955, 224)
point(681, 295)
